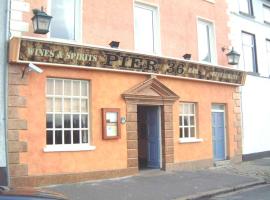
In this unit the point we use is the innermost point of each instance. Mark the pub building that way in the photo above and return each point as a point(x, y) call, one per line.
point(81, 112)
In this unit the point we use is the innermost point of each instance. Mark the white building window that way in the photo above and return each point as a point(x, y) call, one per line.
point(146, 28)
point(66, 21)
point(206, 41)
point(187, 120)
point(245, 7)
point(67, 120)
point(268, 55)
point(249, 52)
point(266, 14)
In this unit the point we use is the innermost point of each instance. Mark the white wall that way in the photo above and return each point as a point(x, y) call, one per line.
point(255, 26)
point(256, 115)
point(256, 92)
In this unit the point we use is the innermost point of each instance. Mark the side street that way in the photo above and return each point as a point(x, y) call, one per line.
point(178, 185)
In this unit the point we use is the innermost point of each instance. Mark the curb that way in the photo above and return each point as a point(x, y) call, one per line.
point(211, 193)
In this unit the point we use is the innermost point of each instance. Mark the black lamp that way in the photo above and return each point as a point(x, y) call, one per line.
point(187, 56)
point(114, 44)
point(232, 56)
point(41, 21)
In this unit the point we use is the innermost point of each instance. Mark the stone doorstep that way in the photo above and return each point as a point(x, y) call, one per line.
point(211, 193)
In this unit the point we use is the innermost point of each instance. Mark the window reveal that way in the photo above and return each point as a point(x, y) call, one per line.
point(187, 120)
point(249, 52)
point(67, 112)
point(206, 41)
point(66, 19)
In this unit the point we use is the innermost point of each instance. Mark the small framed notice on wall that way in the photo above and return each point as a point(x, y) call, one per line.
point(110, 123)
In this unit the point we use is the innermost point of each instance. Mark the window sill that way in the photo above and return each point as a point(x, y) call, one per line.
point(247, 14)
point(190, 140)
point(267, 22)
point(62, 148)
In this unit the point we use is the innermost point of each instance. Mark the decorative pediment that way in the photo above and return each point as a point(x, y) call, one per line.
point(151, 89)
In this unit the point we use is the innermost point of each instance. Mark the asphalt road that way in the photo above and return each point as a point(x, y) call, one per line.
point(255, 193)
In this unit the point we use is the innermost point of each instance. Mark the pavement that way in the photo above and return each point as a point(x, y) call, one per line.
point(173, 185)
point(261, 192)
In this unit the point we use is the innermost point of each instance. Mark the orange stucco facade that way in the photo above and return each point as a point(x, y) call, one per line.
point(103, 83)
point(104, 21)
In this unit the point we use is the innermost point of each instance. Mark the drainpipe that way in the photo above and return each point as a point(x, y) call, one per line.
point(4, 37)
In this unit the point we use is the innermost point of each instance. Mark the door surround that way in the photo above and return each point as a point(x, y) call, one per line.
point(150, 92)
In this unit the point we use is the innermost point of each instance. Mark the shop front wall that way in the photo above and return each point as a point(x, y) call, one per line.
point(203, 95)
point(106, 89)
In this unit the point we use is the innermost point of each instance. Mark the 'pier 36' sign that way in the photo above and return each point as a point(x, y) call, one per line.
point(50, 53)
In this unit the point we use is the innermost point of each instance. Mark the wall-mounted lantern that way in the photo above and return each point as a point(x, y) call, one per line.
point(232, 56)
point(41, 21)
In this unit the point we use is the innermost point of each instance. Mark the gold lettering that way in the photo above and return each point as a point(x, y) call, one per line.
point(30, 51)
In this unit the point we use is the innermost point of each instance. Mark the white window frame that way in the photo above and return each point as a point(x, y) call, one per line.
point(266, 7)
point(254, 52)
point(212, 38)
point(250, 8)
point(78, 21)
point(188, 139)
point(156, 25)
point(68, 147)
point(267, 41)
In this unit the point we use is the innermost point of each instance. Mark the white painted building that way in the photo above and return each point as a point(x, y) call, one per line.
point(250, 36)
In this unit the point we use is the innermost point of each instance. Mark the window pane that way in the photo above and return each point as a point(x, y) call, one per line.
point(185, 120)
point(186, 108)
point(58, 104)
point(76, 121)
point(192, 108)
point(67, 105)
point(58, 121)
point(186, 132)
point(266, 14)
point(249, 52)
point(67, 90)
point(84, 105)
point(268, 55)
point(67, 112)
point(76, 137)
point(144, 29)
point(181, 121)
point(76, 105)
point(49, 105)
point(58, 137)
point(49, 121)
point(84, 88)
point(204, 45)
point(191, 118)
point(58, 87)
point(84, 121)
point(84, 136)
point(76, 88)
point(67, 137)
point(49, 137)
point(50, 86)
point(192, 132)
point(63, 22)
point(245, 6)
point(67, 121)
